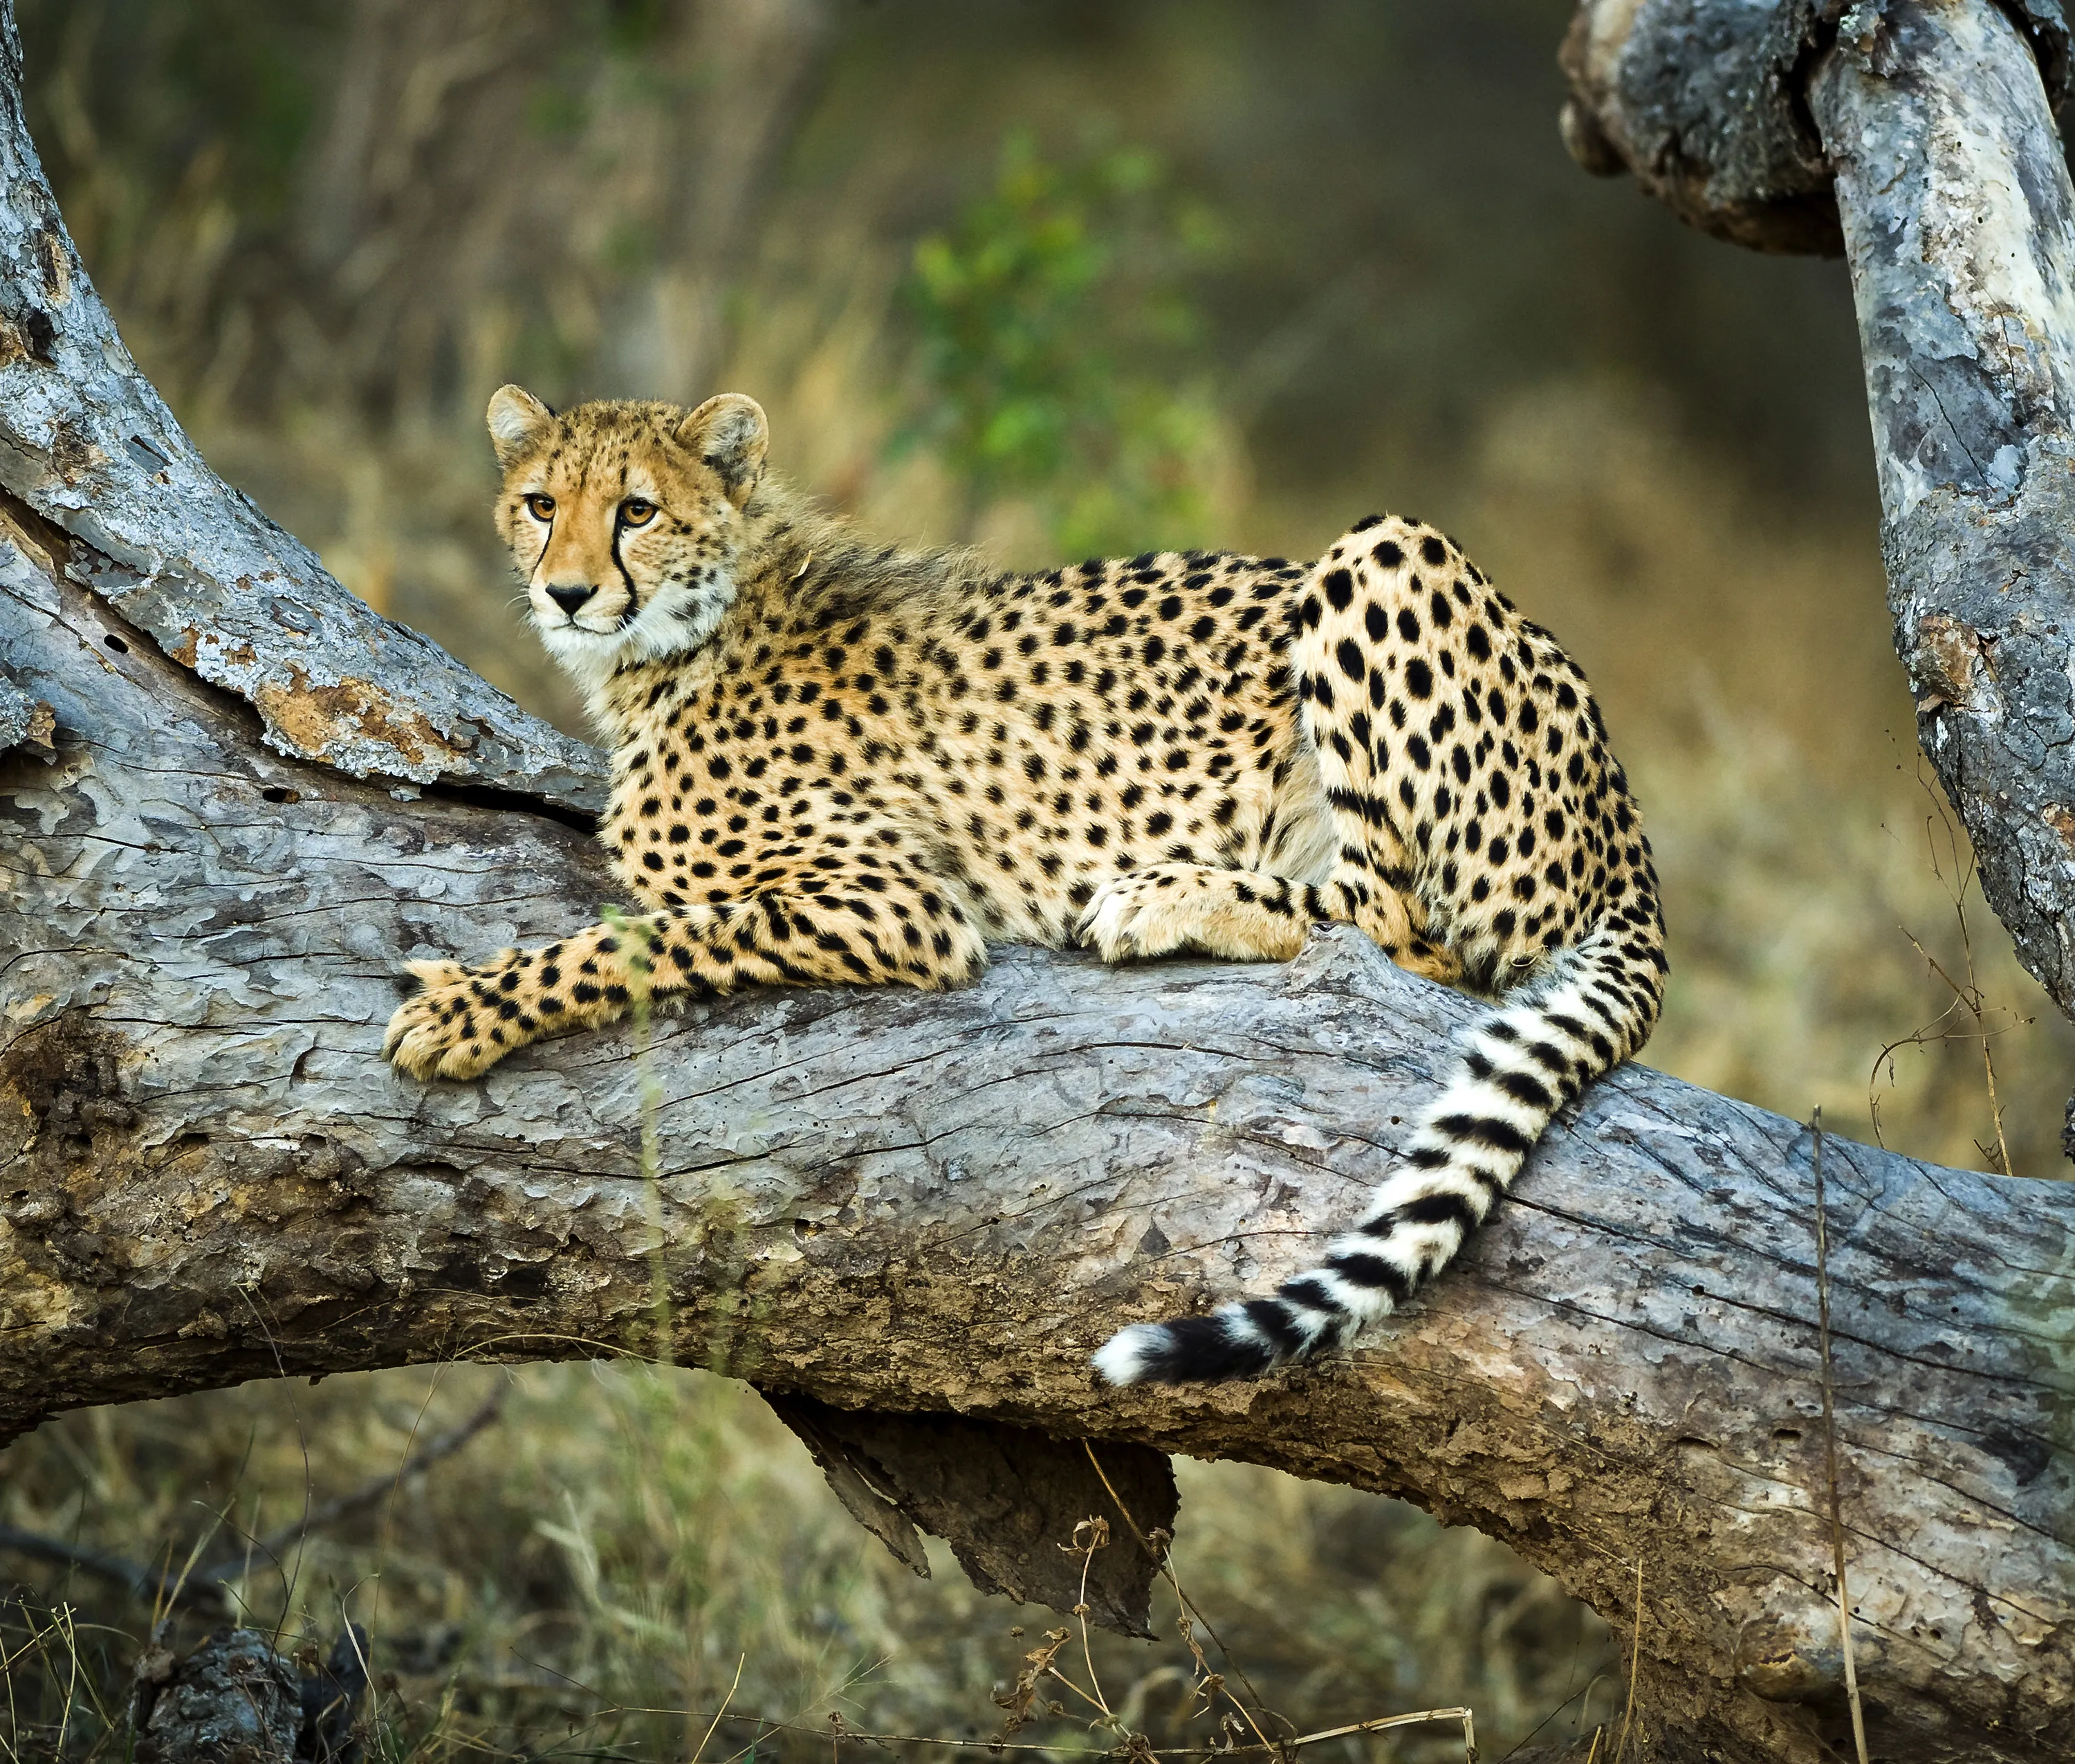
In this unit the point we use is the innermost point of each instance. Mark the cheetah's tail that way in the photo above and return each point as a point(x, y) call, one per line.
point(1589, 1010)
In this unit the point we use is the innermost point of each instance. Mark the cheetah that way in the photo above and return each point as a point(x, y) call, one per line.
point(839, 762)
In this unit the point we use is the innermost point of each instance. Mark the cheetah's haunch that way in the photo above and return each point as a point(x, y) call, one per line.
point(839, 762)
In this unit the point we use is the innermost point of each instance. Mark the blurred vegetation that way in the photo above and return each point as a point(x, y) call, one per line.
point(1041, 310)
point(963, 251)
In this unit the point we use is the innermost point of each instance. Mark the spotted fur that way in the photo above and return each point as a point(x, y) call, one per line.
point(834, 761)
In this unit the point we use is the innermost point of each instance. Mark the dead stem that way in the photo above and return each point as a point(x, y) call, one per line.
point(1830, 1445)
point(1189, 1611)
point(1957, 873)
point(1635, 1662)
point(1097, 1530)
point(699, 1751)
point(1273, 1750)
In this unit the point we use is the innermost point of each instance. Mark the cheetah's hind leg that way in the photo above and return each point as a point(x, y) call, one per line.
point(1167, 908)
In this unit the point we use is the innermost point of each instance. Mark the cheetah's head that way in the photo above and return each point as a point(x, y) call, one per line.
point(625, 521)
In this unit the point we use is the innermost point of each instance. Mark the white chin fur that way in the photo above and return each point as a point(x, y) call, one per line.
point(676, 622)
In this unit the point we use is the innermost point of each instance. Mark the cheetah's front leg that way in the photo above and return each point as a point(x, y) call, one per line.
point(460, 1021)
point(827, 927)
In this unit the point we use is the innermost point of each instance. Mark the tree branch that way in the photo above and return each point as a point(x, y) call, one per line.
point(88, 444)
point(1959, 231)
point(936, 1205)
point(1918, 137)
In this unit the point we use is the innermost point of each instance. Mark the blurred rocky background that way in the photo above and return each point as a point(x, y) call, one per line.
point(1054, 276)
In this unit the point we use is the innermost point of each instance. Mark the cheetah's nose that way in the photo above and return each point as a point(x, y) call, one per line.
point(569, 598)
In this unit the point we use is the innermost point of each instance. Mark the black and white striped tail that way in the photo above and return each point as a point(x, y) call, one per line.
point(1584, 1014)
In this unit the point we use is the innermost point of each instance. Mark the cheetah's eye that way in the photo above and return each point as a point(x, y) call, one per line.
point(635, 512)
point(541, 507)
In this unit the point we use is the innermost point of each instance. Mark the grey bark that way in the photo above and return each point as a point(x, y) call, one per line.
point(933, 1207)
point(1919, 135)
point(234, 1701)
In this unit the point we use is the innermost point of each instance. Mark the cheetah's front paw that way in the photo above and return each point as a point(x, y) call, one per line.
point(446, 1030)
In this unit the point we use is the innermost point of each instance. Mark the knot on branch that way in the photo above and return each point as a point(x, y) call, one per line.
point(1792, 1655)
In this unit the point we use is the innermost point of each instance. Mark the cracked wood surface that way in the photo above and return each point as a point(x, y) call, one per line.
point(937, 1205)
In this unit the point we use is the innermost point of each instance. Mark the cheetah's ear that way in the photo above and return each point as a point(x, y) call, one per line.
point(516, 419)
point(729, 433)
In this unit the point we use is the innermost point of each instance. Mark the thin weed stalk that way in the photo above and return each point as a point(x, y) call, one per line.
point(1091, 1535)
point(14, 1711)
point(1189, 1613)
point(293, 1577)
point(699, 1750)
point(72, 1682)
point(1830, 1446)
point(1956, 871)
point(1267, 1749)
point(1634, 1667)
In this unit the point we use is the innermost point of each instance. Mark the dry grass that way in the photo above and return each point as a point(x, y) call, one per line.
point(598, 1575)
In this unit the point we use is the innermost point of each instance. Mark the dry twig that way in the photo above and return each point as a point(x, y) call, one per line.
point(1830, 1446)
